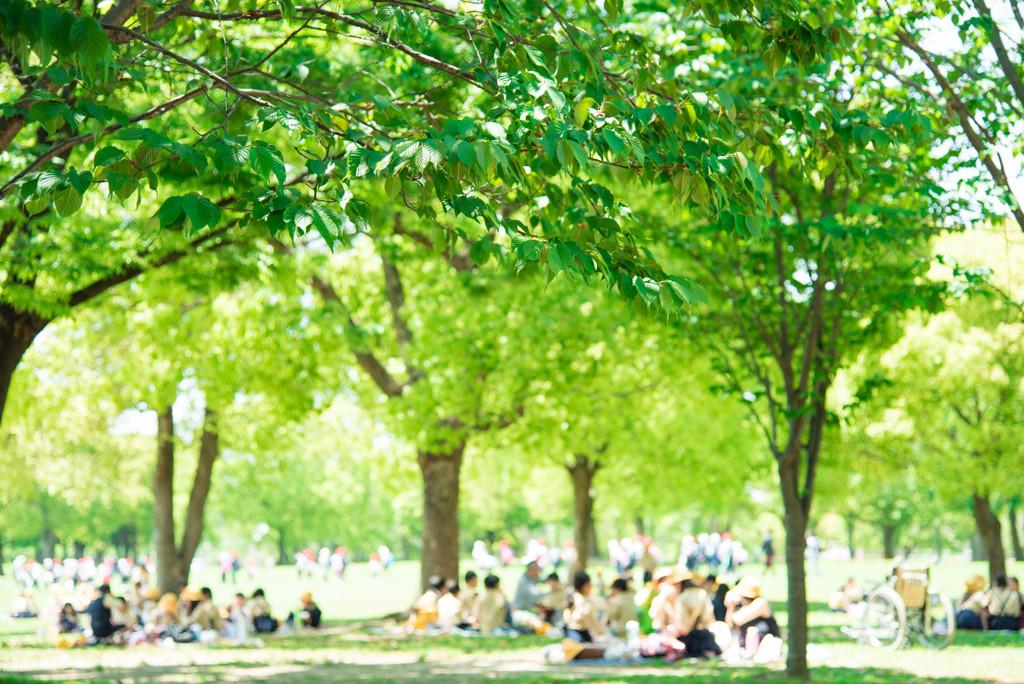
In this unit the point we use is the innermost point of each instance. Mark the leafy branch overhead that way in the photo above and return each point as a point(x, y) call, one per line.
point(526, 117)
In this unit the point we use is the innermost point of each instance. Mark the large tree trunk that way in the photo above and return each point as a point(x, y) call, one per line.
point(796, 576)
point(167, 575)
point(991, 534)
point(79, 549)
point(582, 472)
point(49, 543)
point(440, 470)
point(888, 541)
point(17, 332)
point(1014, 532)
point(174, 562)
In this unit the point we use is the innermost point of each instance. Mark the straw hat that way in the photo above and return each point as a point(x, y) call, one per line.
point(678, 574)
point(748, 588)
point(976, 583)
point(168, 603)
point(661, 573)
point(306, 597)
point(190, 593)
point(152, 594)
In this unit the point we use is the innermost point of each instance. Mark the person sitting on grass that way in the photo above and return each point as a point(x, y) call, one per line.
point(492, 610)
point(554, 602)
point(67, 621)
point(621, 606)
point(846, 596)
point(581, 620)
point(746, 609)
point(468, 600)
point(1014, 584)
point(121, 616)
point(205, 615)
point(1002, 605)
point(310, 615)
point(259, 613)
point(166, 616)
point(970, 610)
point(694, 615)
point(99, 612)
point(424, 609)
point(24, 605)
point(449, 606)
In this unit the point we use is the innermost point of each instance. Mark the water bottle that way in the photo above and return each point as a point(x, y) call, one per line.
point(753, 641)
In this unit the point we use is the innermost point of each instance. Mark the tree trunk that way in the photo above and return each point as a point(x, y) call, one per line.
point(79, 549)
point(991, 534)
point(49, 543)
point(17, 332)
point(638, 522)
point(796, 577)
point(282, 554)
point(1014, 532)
point(168, 577)
point(440, 472)
point(209, 448)
point(582, 472)
point(851, 525)
point(888, 541)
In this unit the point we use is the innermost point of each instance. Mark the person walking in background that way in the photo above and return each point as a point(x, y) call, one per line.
point(768, 550)
point(813, 552)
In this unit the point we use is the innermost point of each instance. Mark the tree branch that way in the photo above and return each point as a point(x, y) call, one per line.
point(1007, 65)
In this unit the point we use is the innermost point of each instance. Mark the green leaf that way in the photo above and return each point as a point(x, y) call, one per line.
point(265, 159)
point(201, 212)
point(700, 193)
point(614, 140)
point(465, 152)
point(230, 157)
point(583, 110)
point(67, 201)
point(169, 212)
point(430, 153)
point(774, 57)
point(328, 223)
point(80, 181)
point(578, 152)
point(107, 155)
point(682, 183)
point(393, 186)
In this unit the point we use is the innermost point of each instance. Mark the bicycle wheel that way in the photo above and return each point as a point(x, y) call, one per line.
point(939, 622)
point(885, 619)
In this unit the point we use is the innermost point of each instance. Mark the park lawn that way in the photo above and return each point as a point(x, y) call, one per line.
point(349, 650)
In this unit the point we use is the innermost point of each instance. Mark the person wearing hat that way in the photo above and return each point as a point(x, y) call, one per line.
point(663, 606)
point(745, 608)
point(149, 600)
point(205, 615)
point(310, 614)
point(167, 614)
point(694, 615)
point(970, 611)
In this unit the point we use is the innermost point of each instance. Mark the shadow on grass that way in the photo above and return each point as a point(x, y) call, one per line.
point(507, 671)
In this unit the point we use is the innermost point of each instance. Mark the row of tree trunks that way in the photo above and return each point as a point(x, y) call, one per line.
point(990, 531)
point(174, 561)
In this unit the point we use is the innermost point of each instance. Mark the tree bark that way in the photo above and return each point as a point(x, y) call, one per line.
point(282, 555)
point(796, 576)
point(209, 449)
point(638, 522)
point(167, 576)
point(48, 543)
point(888, 541)
point(1014, 532)
point(17, 332)
point(79, 549)
point(582, 472)
point(440, 470)
point(851, 525)
point(991, 534)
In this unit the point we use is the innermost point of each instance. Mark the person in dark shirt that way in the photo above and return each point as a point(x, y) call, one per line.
point(99, 614)
point(310, 611)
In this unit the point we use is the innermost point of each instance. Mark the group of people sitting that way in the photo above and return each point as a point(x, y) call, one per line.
point(682, 613)
point(146, 615)
point(998, 608)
